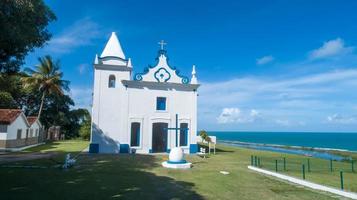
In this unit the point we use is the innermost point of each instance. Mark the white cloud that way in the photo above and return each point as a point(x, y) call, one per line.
point(282, 101)
point(331, 48)
point(81, 33)
point(283, 122)
point(235, 115)
point(265, 60)
point(339, 119)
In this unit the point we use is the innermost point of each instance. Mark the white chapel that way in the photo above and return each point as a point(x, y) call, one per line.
point(149, 112)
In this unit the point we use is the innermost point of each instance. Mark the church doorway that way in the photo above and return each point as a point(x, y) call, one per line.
point(159, 137)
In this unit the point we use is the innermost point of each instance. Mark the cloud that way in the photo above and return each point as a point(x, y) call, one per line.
point(283, 122)
point(281, 101)
point(339, 119)
point(265, 60)
point(331, 48)
point(235, 115)
point(82, 33)
point(82, 96)
point(82, 68)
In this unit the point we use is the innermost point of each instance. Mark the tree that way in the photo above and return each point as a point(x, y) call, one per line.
point(6, 100)
point(23, 27)
point(204, 136)
point(47, 79)
point(13, 94)
point(85, 128)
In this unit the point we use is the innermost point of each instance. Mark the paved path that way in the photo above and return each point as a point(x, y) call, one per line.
point(306, 183)
point(14, 157)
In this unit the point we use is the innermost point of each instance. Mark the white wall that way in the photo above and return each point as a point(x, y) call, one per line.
point(19, 123)
point(143, 105)
point(115, 108)
point(3, 135)
point(35, 126)
point(109, 112)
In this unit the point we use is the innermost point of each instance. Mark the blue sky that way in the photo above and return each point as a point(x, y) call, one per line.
point(263, 65)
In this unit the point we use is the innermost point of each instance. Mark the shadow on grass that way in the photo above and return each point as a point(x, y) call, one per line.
point(97, 177)
point(46, 154)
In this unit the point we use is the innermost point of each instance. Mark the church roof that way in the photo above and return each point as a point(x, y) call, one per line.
point(162, 72)
point(113, 48)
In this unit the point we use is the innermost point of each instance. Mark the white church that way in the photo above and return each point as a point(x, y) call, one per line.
point(149, 112)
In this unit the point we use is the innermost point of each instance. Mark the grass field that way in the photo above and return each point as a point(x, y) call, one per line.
point(66, 146)
point(142, 177)
point(320, 171)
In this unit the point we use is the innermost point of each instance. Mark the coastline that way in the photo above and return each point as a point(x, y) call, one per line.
point(333, 153)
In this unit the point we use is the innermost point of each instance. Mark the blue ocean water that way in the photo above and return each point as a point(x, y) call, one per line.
point(343, 141)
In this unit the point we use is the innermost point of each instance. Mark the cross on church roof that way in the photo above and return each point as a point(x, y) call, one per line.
point(162, 43)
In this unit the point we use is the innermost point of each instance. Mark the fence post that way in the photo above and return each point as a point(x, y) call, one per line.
point(258, 162)
point(331, 165)
point(276, 165)
point(251, 160)
point(308, 165)
point(255, 161)
point(341, 177)
point(303, 171)
point(352, 163)
point(284, 159)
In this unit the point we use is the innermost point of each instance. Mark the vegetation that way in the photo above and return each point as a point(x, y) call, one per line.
point(23, 27)
point(104, 176)
point(41, 91)
point(64, 146)
point(43, 86)
point(204, 136)
point(47, 79)
point(85, 129)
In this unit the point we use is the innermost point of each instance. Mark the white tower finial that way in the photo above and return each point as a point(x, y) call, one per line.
point(129, 63)
point(113, 48)
point(194, 78)
point(96, 61)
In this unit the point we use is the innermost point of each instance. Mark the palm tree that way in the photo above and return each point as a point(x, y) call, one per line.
point(47, 78)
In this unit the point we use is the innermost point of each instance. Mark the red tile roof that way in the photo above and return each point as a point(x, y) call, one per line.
point(7, 116)
point(31, 119)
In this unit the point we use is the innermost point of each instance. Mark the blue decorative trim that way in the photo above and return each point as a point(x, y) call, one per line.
point(178, 162)
point(161, 75)
point(113, 57)
point(93, 148)
point(150, 150)
point(124, 148)
point(193, 148)
point(139, 76)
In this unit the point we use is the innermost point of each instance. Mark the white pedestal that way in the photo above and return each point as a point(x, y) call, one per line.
point(186, 165)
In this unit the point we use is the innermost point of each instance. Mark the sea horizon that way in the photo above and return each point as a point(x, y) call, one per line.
point(345, 141)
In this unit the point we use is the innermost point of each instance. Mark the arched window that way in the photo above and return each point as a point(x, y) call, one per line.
point(135, 134)
point(111, 82)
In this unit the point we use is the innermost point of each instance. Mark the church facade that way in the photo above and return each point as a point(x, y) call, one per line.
point(149, 112)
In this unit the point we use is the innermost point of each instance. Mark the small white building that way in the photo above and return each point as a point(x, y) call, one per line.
point(17, 131)
point(149, 112)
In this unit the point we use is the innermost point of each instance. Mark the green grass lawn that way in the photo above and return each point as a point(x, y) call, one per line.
point(65, 146)
point(142, 177)
point(320, 171)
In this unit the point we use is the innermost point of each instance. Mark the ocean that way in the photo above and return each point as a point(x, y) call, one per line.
point(328, 140)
